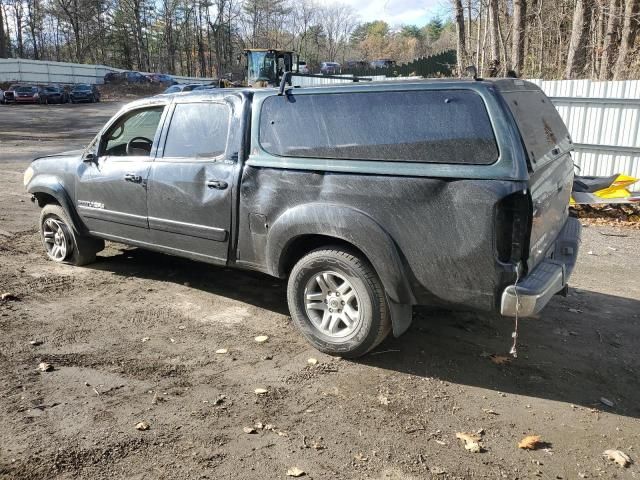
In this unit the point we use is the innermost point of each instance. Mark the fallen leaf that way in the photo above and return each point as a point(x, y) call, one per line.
point(145, 339)
point(530, 442)
point(295, 472)
point(471, 441)
point(606, 402)
point(259, 425)
point(5, 297)
point(383, 400)
point(260, 391)
point(575, 310)
point(35, 343)
point(249, 430)
point(500, 359)
point(317, 446)
point(269, 426)
point(172, 340)
point(489, 411)
point(261, 338)
point(312, 361)
point(45, 367)
point(222, 351)
point(617, 456)
point(360, 457)
point(283, 434)
point(142, 426)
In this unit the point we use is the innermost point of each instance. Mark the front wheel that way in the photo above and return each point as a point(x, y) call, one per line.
point(61, 243)
point(337, 301)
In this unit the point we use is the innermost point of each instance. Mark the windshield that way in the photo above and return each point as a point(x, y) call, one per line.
point(262, 67)
point(25, 89)
point(83, 87)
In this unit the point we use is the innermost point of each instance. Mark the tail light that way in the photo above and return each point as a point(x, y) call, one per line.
point(513, 224)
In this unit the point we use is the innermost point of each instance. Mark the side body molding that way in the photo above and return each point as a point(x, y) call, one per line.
point(50, 185)
point(356, 228)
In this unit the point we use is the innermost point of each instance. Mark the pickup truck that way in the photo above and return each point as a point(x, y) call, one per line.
point(370, 198)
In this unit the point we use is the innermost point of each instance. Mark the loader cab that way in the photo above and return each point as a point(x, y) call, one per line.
point(266, 66)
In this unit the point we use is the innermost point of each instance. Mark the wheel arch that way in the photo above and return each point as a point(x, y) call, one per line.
point(306, 227)
point(47, 190)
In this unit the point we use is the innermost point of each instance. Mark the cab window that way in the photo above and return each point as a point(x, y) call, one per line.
point(133, 134)
point(198, 130)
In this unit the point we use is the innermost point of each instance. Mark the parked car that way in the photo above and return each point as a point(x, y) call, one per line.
point(10, 94)
point(30, 94)
point(84, 92)
point(182, 88)
point(303, 68)
point(330, 68)
point(356, 64)
point(370, 199)
point(206, 87)
point(135, 77)
point(114, 77)
point(383, 63)
point(161, 78)
point(1, 96)
point(55, 94)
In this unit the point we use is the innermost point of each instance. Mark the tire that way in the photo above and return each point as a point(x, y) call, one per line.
point(71, 248)
point(346, 276)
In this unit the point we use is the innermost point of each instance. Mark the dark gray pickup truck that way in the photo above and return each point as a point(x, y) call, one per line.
point(369, 198)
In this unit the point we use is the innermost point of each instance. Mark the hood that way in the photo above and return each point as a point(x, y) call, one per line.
point(70, 153)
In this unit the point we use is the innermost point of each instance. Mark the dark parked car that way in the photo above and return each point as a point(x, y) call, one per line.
point(84, 93)
point(55, 94)
point(182, 88)
point(370, 199)
point(383, 63)
point(10, 94)
point(330, 68)
point(356, 64)
point(114, 77)
point(136, 77)
point(30, 94)
point(161, 78)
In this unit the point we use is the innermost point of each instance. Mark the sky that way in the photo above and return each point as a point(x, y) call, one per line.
point(396, 12)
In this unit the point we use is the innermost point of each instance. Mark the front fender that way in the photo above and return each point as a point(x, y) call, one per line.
point(356, 228)
point(50, 185)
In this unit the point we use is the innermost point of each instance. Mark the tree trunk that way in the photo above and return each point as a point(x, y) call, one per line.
point(494, 37)
point(518, 34)
point(628, 38)
point(577, 55)
point(3, 37)
point(460, 44)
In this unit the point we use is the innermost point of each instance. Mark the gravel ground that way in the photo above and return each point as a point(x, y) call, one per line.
point(133, 338)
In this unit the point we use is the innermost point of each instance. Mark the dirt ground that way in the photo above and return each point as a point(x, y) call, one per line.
point(133, 338)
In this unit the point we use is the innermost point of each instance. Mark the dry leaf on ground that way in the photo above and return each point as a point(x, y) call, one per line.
point(500, 359)
point(222, 351)
point(617, 456)
point(261, 338)
point(260, 391)
point(45, 367)
point(312, 361)
point(295, 472)
point(530, 442)
point(249, 430)
point(471, 441)
point(142, 426)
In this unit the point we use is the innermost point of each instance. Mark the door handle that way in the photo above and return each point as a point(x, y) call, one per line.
point(132, 177)
point(218, 184)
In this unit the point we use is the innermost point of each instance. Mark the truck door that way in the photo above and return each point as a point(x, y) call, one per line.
point(111, 190)
point(191, 181)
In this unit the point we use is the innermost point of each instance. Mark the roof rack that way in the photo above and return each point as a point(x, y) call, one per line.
point(286, 79)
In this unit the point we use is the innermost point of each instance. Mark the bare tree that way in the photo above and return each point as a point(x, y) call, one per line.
point(629, 33)
point(461, 46)
point(577, 55)
point(518, 34)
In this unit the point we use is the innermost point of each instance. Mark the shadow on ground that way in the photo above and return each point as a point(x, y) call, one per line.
point(582, 348)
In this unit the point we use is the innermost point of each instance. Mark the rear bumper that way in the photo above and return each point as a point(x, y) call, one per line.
point(549, 277)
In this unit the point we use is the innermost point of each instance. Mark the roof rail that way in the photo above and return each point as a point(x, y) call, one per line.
point(286, 78)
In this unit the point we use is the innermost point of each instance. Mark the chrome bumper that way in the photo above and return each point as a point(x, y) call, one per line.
point(549, 277)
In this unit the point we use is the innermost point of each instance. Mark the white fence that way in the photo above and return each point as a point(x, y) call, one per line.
point(37, 71)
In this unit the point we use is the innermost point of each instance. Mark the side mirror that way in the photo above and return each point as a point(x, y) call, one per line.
point(90, 157)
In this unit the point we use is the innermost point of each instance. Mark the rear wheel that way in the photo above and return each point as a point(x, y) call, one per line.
point(61, 243)
point(337, 301)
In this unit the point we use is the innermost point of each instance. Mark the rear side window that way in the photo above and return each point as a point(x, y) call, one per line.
point(540, 124)
point(411, 126)
point(198, 130)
